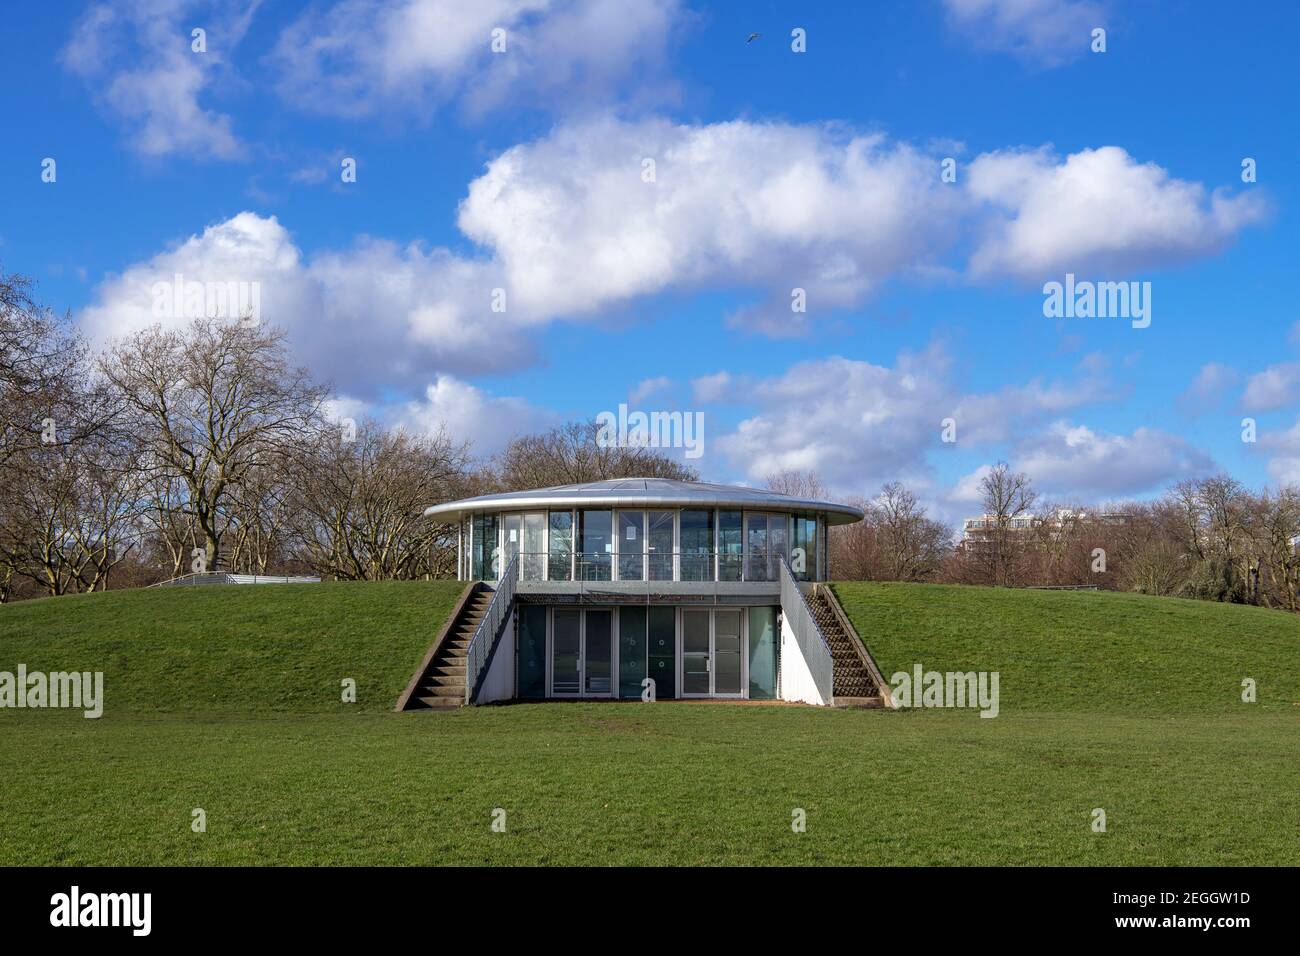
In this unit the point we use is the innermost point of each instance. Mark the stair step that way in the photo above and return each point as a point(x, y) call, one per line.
point(445, 680)
point(442, 703)
point(445, 691)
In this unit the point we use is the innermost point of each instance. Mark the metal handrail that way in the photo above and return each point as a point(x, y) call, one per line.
point(653, 566)
point(817, 654)
point(480, 647)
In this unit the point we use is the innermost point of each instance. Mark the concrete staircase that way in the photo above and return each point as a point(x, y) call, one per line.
point(439, 684)
point(857, 679)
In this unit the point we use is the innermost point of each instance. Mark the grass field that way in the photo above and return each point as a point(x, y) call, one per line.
point(228, 699)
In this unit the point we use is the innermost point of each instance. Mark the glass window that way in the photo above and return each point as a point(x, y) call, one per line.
point(662, 658)
point(697, 545)
point(484, 553)
point(730, 546)
point(532, 650)
point(532, 559)
point(803, 548)
point(726, 651)
point(762, 653)
point(776, 543)
point(566, 652)
point(756, 548)
point(598, 652)
point(560, 566)
point(512, 534)
point(631, 651)
point(595, 545)
point(659, 544)
point(631, 545)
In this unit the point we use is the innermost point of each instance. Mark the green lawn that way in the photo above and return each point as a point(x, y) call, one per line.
point(227, 699)
point(1094, 652)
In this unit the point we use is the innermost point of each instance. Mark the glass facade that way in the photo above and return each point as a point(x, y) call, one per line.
point(662, 657)
point(693, 544)
point(566, 652)
point(483, 548)
point(763, 649)
point(731, 545)
point(696, 545)
point(659, 545)
point(598, 653)
point(533, 561)
point(560, 555)
point(632, 651)
point(595, 545)
point(532, 650)
point(803, 548)
point(631, 545)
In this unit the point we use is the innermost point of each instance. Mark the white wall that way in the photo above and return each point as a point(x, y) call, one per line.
point(796, 679)
point(500, 681)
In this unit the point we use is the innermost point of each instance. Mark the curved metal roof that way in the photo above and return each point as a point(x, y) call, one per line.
point(643, 493)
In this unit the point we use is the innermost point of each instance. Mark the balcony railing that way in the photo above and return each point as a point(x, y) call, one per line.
point(650, 567)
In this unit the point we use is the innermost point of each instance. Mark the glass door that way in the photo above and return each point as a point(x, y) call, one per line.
point(598, 653)
point(512, 536)
point(532, 565)
point(660, 546)
point(696, 653)
point(756, 548)
point(631, 545)
point(566, 653)
point(728, 661)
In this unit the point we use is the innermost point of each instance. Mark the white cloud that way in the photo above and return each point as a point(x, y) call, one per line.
point(1274, 388)
point(648, 387)
point(858, 424)
point(359, 57)
point(770, 207)
point(1284, 446)
point(1099, 209)
point(137, 58)
point(470, 414)
point(711, 388)
point(567, 229)
point(1075, 461)
point(374, 318)
point(1207, 389)
point(1049, 32)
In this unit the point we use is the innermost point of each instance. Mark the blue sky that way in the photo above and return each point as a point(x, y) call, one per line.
point(776, 170)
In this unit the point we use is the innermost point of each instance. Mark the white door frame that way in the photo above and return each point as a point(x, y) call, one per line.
point(582, 652)
point(711, 659)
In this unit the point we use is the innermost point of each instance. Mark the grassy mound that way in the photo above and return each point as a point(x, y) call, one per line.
point(1084, 651)
point(235, 649)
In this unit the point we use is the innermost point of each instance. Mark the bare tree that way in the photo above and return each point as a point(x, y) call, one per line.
point(1008, 497)
point(215, 401)
point(798, 484)
point(572, 453)
point(357, 504)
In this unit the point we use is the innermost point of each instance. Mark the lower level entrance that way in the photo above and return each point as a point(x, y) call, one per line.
point(582, 656)
point(657, 652)
point(712, 653)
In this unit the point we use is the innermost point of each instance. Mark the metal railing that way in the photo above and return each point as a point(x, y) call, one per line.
point(812, 642)
point(229, 577)
point(489, 629)
point(754, 565)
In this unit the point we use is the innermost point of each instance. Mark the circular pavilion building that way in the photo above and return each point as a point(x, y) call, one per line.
point(643, 588)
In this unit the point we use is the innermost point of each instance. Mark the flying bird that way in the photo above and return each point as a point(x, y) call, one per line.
point(753, 37)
